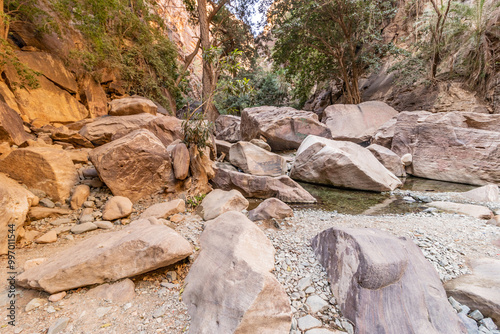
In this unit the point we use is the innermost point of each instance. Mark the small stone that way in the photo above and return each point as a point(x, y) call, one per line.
point(304, 283)
point(58, 326)
point(88, 204)
point(308, 322)
point(127, 306)
point(57, 296)
point(310, 290)
point(316, 304)
point(456, 305)
point(159, 312)
point(105, 225)
point(322, 331)
point(169, 285)
point(82, 228)
point(347, 326)
point(102, 311)
point(171, 276)
point(117, 207)
point(488, 323)
point(50, 309)
point(47, 203)
point(86, 219)
point(61, 221)
point(177, 218)
point(476, 315)
point(47, 238)
point(35, 303)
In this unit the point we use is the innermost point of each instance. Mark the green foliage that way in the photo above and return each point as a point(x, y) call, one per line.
point(129, 36)
point(197, 131)
point(27, 78)
point(194, 201)
point(328, 40)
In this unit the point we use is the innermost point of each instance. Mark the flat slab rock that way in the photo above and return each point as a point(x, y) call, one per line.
point(108, 257)
point(479, 290)
point(384, 284)
point(230, 288)
point(477, 211)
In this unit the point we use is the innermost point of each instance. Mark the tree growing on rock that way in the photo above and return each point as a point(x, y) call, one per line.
point(328, 40)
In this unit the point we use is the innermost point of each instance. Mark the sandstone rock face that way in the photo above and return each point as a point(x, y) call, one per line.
point(357, 123)
point(477, 211)
point(132, 106)
point(389, 159)
point(167, 129)
point(282, 187)
point(100, 131)
point(15, 202)
point(11, 126)
point(488, 193)
point(227, 127)
point(283, 128)
point(255, 160)
point(455, 147)
point(134, 166)
point(220, 201)
point(341, 164)
point(164, 210)
point(93, 96)
point(270, 208)
point(79, 196)
point(43, 168)
point(383, 136)
point(479, 290)
point(180, 161)
point(229, 288)
point(117, 207)
point(384, 284)
point(108, 257)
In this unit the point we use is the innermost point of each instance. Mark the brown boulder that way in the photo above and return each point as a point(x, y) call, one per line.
point(79, 196)
point(479, 290)
point(227, 128)
point(100, 131)
point(357, 123)
point(15, 201)
point(283, 128)
point(117, 207)
point(254, 160)
point(229, 288)
point(455, 147)
point(384, 284)
point(487, 193)
point(167, 129)
point(262, 144)
point(108, 257)
point(282, 187)
point(384, 134)
point(223, 147)
point(270, 208)
point(341, 164)
point(132, 106)
point(219, 201)
point(11, 126)
point(180, 161)
point(65, 135)
point(164, 210)
point(44, 168)
point(389, 159)
point(39, 212)
point(134, 166)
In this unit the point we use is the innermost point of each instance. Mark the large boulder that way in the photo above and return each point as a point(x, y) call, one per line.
point(283, 128)
point(230, 288)
point(167, 129)
point(134, 166)
point(132, 106)
point(254, 160)
point(455, 147)
point(227, 127)
point(384, 134)
point(15, 202)
point(384, 284)
point(487, 193)
point(45, 168)
point(100, 131)
point(357, 122)
point(108, 257)
point(269, 209)
point(11, 126)
point(479, 290)
point(181, 161)
point(477, 211)
point(341, 164)
point(389, 159)
point(220, 201)
point(282, 187)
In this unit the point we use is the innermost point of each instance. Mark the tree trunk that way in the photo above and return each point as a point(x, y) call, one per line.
point(3, 25)
point(208, 72)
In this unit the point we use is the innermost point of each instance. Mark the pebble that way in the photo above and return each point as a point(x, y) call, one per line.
point(35, 303)
point(102, 311)
point(476, 315)
point(308, 322)
point(488, 323)
point(82, 228)
point(57, 297)
point(58, 326)
point(105, 225)
point(47, 238)
point(316, 304)
point(86, 219)
point(47, 203)
point(61, 221)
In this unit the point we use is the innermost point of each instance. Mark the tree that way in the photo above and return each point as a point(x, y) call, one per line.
point(328, 39)
point(206, 13)
point(441, 9)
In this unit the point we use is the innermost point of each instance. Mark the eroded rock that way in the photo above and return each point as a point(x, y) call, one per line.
point(219, 201)
point(255, 160)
